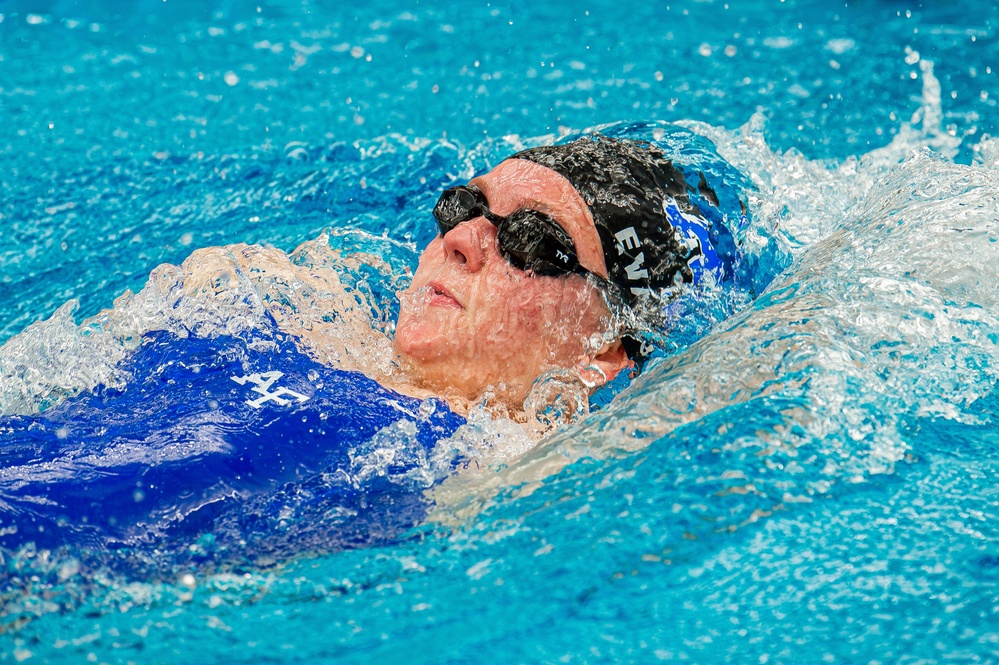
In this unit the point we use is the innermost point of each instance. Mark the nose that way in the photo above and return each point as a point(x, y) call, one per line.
point(466, 243)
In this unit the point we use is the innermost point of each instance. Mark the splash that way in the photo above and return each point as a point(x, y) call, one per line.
point(335, 293)
point(888, 311)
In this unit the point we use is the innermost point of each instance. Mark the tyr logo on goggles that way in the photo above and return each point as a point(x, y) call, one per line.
point(528, 239)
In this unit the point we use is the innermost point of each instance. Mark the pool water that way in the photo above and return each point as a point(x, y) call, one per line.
point(812, 479)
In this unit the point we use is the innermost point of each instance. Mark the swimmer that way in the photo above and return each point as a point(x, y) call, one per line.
point(553, 261)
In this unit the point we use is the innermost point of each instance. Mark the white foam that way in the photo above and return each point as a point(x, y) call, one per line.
point(317, 292)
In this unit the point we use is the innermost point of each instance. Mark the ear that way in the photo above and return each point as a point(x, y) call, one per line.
point(606, 364)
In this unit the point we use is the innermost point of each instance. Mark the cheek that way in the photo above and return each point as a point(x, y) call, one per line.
point(544, 319)
point(573, 318)
point(510, 307)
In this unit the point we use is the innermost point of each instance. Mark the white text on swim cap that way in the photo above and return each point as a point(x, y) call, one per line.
point(626, 239)
point(635, 270)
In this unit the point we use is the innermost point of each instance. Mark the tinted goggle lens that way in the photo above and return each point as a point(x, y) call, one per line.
point(457, 205)
point(528, 239)
point(533, 241)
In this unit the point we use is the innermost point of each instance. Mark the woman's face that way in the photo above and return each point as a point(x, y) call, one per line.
point(470, 320)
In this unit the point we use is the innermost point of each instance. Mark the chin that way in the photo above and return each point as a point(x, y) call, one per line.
point(408, 341)
point(418, 339)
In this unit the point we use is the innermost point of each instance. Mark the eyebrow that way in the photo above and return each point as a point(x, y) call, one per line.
point(529, 203)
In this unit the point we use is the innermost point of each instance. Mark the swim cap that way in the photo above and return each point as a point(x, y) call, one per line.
point(640, 205)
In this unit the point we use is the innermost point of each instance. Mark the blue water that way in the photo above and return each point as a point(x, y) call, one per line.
point(809, 480)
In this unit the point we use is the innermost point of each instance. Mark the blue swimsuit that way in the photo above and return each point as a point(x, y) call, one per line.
point(218, 439)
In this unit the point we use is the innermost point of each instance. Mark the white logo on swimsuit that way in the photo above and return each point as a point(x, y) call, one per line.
point(562, 255)
point(262, 383)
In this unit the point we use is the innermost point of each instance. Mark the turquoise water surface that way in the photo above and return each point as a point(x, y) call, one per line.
point(812, 479)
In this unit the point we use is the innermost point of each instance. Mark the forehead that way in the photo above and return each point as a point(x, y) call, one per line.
point(518, 183)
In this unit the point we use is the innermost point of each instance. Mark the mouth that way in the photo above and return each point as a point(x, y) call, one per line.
point(438, 294)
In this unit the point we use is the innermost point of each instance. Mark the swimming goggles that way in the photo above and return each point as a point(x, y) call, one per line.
point(528, 239)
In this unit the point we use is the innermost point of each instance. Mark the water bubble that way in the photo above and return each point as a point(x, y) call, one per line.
point(68, 569)
point(427, 408)
point(840, 46)
point(558, 397)
point(778, 42)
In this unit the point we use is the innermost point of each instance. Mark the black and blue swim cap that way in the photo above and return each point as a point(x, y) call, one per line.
point(653, 235)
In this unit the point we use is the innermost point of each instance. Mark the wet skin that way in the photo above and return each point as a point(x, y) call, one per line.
point(471, 322)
